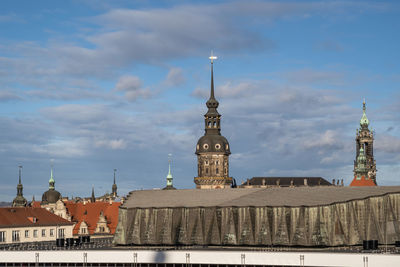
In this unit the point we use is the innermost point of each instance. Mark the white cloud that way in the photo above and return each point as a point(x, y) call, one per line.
point(132, 86)
point(175, 77)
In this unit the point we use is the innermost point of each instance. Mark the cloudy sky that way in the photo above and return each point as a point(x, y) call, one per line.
point(98, 85)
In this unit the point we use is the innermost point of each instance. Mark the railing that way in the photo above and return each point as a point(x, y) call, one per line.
point(95, 243)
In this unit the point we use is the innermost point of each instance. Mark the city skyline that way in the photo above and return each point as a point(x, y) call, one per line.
point(99, 86)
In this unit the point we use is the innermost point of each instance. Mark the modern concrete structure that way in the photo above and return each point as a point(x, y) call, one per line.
point(200, 258)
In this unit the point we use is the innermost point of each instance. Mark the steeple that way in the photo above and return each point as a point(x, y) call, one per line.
point(92, 198)
point(19, 200)
point(364, 122)
point(364, 164)
point(212, 149)
point(169, 175)
point(114, 186)
point(51, 181)
point(212, 117)
point(51, 196)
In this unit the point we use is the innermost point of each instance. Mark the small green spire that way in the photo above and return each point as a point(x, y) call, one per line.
point(51, 181)
point(361, 156)
point(169, 176)
point(364, 122)
point(361, 168)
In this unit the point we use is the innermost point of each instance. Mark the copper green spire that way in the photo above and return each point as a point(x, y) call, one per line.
point(364, 122)
point(169, 175)
point(51, 181)
point(361, 168)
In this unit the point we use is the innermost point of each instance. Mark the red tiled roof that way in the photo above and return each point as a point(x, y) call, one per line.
point(35, 204)
point(362, 182)
point(19, 217)
point(90, 213)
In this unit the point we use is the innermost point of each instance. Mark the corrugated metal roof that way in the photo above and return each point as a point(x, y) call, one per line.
point(259, 197)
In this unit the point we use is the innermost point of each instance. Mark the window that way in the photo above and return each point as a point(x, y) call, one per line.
point(83, 230)
point(26, 233)
point(51, 232)
point(206, 170)
point(2, 236)
point(102, 230)
point(43, 232)
point(216, 170)
point(15, 236)
point(34, 233)
point(61, 233)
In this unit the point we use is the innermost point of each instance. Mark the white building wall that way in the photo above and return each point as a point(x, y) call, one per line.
point(31, 238)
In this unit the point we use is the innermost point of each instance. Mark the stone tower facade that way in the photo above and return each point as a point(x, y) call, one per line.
point(365, 145)
point(212, 149)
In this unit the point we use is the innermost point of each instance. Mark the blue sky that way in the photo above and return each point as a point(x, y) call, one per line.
point(98, 85)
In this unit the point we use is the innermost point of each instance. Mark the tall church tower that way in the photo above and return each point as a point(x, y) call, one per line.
point(19, 200)
point(365, 164)
point(212, 149)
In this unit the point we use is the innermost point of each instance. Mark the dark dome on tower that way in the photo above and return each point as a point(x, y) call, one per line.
point(213, 143)
point(50, 196)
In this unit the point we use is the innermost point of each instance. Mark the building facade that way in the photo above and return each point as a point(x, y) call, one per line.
point(27, 224)
point(365, 164)
point(212, 149)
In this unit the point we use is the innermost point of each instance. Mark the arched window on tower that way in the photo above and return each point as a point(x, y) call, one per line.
point(209, 124)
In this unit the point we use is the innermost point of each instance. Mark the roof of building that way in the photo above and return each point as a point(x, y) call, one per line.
point(24, 216)
point(362, 182)
point(90, 213)
point(256, 197)
point(286, 181)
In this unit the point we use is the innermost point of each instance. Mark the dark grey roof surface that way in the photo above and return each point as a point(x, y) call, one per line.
point(258, 197)
point(286, 181)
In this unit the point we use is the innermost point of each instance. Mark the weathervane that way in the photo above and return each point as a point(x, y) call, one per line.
point(212, 57)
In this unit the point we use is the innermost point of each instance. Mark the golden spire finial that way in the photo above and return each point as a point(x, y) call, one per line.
point(212, 57)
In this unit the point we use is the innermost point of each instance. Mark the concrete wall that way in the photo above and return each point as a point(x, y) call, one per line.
point(240, 258)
